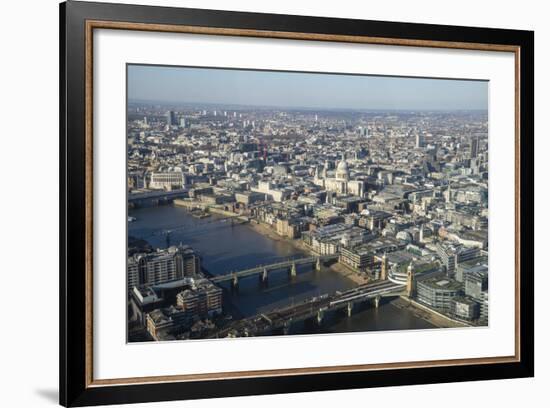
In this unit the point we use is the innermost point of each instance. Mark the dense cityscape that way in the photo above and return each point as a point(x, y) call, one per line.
point(398, 197)
point(253, 221)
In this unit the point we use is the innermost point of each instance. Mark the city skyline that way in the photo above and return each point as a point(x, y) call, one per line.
point(248, 220)
point(324, 91)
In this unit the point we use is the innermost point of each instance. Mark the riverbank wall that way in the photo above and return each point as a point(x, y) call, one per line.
point(301, 246)
point(269, 232)
point(191, 205)
point(430, 315)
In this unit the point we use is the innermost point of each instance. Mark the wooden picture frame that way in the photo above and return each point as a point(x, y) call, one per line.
point(78, 20)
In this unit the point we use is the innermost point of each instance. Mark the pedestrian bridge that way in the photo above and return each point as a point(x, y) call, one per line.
point(263, 270)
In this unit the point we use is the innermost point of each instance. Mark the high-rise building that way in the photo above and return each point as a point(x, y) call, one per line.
point(364, 131)
point(419, 140)
point(474, 147)
point(171, 118)
point(182, 122)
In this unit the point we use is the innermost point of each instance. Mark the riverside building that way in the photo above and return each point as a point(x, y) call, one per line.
point(163, 265)
point(169, 180)
point(438, 292)
point(197, 299)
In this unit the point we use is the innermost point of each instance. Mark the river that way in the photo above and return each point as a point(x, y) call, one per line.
point(225, 248)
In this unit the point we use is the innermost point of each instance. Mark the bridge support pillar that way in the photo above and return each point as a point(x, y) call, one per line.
point(320, 316)
point(263, 277)
point(377, 301)
point(235, 282)
point(318, 264)
point(349, 309)
point(293, 270)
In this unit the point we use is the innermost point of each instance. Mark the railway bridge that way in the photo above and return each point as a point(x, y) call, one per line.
point(314, 308)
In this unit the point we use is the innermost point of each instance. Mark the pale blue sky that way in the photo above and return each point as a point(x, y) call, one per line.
point(290, 89)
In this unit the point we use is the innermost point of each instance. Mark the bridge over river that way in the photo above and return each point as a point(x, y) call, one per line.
point(263, 270)
point(146, 198)
point(313, 308)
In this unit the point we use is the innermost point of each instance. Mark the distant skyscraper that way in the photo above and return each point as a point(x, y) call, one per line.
point(182, 122)
point(364, 132)
point(171, 118)
point(474, 147)
point(419, 140)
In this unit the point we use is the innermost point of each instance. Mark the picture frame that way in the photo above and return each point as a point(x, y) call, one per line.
point(78, 385)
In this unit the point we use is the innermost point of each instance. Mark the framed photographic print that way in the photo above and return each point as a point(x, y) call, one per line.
point(256, 203)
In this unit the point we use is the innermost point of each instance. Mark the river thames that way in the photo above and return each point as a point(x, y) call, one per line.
point(225, 248)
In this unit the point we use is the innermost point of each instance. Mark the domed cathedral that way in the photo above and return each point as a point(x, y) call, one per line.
point(340, 183)
point(342, 171)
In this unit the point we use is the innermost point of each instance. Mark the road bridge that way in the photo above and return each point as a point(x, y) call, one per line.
point(154, 197)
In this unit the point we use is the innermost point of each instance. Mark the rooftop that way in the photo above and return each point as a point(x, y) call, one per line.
point(441, 282)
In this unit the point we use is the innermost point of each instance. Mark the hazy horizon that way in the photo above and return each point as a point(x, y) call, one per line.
point(297, 90)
